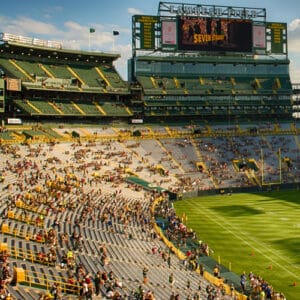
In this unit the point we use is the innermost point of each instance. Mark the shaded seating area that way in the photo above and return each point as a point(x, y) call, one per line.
point(113, 78)
point(115, 109)
point(64, 107)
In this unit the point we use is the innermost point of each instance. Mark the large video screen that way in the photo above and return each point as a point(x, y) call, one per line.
point(214, 34)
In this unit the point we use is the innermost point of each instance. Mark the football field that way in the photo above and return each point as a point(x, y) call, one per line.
point(251, 232)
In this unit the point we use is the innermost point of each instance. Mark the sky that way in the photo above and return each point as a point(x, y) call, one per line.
point(69, 22)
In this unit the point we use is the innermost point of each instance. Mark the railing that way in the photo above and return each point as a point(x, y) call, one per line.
point(36, 209)
point(24, 234)
point(29, 255)
point(39, 280)
point(38, 221)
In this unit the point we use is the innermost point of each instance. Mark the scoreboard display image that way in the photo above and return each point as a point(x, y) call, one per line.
point(214, 34)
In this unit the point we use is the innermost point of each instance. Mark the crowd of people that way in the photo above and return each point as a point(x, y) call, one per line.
point(62, 191)
point(70, 186)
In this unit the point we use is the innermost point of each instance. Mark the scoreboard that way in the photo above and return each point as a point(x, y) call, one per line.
point(147, 31)
point(277, 37)
point(198, 28)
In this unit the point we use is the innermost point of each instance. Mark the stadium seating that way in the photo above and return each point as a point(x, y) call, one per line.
point(170, 93)
point(96, 194)
point(10, 69)
point(112, 77)
point(190, 163)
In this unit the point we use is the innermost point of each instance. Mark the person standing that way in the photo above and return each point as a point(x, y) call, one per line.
point(169, 261)
point(202, 268)
point(97, 282)
point(171, 279)
point(243, 282)
point(216, 271)
point(145, 272)
point(188, 284)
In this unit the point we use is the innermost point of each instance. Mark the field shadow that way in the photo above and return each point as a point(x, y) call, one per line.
point(291, 196)
point(237, 210)
point(291, 245)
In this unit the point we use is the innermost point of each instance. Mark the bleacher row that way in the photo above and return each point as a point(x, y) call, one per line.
point(66, 107)
point(71, 108)
point(49, 75)
point(212, 85)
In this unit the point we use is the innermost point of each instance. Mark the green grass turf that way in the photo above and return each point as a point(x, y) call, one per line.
point(251, 232)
